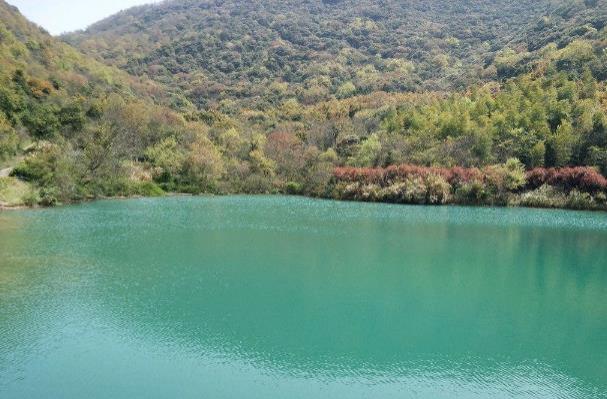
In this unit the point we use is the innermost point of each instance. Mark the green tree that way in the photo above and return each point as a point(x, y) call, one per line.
point(559, 147)
point(538, 155)
point(368, 152)
point(346, 90)
point(54, 169)
point(42, 121)
point(10, 102)
point(72, 118)
point(9, 142)
point(204, 165)
point(514, 177)
point(167, 158)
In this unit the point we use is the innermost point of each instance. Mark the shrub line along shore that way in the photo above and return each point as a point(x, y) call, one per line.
point(579, 188)
point(499, 185)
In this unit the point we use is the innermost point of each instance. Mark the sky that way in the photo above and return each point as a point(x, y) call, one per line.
point(60, 16)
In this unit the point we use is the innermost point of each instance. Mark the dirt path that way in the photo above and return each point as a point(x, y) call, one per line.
point(5, 172)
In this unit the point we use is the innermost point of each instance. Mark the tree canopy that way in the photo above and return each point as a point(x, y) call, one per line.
point(273, 96)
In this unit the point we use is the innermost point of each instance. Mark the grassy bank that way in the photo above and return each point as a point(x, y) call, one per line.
point(15, 193)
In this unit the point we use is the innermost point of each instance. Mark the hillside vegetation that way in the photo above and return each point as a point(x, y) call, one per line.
point(70, 127)
point(262, 51)
point(281, 96)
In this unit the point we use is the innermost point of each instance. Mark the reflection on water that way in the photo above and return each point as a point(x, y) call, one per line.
point(273, 297)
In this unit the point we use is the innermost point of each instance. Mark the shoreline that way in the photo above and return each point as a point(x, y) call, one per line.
point(9, 208)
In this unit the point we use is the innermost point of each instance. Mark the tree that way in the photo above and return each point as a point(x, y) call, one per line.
point(10, 102)
point(538, 155)
point(575, 56)
point(368, 152)
point(204, 166)
point(103, 152)
point(346, 90)
point(72, 118)
point(42, 121)
point(232, 144)
point(514, 177)
point(9, 142)
point(559, 147)
point(589, 85)
point(287, 151)
point(54, 168)
point(167, 158)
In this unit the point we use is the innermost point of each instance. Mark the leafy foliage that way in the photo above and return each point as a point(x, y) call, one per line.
point(432, 102)
point(504, 184)
point(262, 52)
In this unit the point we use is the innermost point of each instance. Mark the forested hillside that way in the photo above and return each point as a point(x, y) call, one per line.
point(263, 51)
point(70, 127)
point(321, 98)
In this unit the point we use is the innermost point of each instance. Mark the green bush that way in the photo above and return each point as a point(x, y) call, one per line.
point(515, 177)
point(10, 102)
point(544, 197)
point(72, 117)
point(167, 158)
point(472, 193)
point(294, 188)
point(370, 193)
point(32, 198)
point(414, 191)
point(256, 184)
point(9, 142)
point(42, 121)
point(502, 180)
point(393, 193)
point(55, 171)
point(580, 200)
point(49, 196)
point(438, 190)
point(147, 189)
point(36, 168)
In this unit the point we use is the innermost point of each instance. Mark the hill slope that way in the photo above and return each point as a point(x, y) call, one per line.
point(312, 49)
point(318, 98)
point(69, 124)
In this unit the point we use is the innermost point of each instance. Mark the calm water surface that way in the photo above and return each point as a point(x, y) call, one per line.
point(274, 297)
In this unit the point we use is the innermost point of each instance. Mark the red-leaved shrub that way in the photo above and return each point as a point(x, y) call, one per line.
point(456, 176)
point(359, 175)
point(580, 178)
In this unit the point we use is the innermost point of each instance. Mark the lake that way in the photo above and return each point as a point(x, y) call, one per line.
point(286, 297)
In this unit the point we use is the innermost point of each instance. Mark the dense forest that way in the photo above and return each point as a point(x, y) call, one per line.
point(468, 101)
point(264, 51)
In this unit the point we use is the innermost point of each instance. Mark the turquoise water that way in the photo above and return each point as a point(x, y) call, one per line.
point(276, 297)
